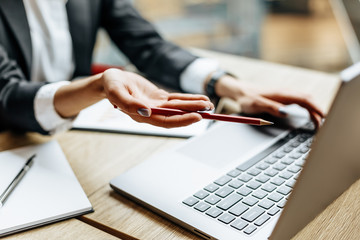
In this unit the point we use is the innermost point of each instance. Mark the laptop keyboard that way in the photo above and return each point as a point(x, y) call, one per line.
point(251, 194)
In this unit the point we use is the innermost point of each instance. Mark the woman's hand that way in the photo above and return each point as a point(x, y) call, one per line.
point(253, 100)
point(132, 94)
point(135, 96)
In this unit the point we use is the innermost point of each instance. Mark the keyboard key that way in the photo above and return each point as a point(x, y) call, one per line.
point(287, 160)
point(202, 207)
point(263, 166)
point(290, 183)
point(253, 185)
point(295, 155)
point(279, 155)
point(254, 172)
point(286, 175)
point(262, 178)
point(268, 187)
point(250, 229)
point(279, 166)
point(212, 199)
point(261, 220)
point(238, 209)
point(226, 218)
point(253, 214)
point(223, 180)
point(295, 144)
point(236, 183)
point(201, 194)
point(211, 188)
point(273, 211)
point(275, 197)
point(284, 190)
point(287, 149)
point(267, 204)
point(277, 181)
point(244, 177)
point(300, 162)
point(271, 160)
point(214, 212)
point(229, 201)
point(271, 172)
point(282, 204)
point(234, 173)
point(224, 191)
point(294, 169)
point(190, 201)
point(239, 224)
point(244, 191)
point(260, 194)
point(304, 149)
point(251, 201)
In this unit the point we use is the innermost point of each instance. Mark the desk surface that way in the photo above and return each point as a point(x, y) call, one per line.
point(97, 157)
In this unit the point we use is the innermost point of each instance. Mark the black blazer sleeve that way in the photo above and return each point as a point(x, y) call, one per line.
point(16, 97)
point(158, 59)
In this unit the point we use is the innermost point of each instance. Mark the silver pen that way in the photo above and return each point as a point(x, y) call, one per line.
point(16, 180)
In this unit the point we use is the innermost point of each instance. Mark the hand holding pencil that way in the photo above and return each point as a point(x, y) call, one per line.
point(213, 116)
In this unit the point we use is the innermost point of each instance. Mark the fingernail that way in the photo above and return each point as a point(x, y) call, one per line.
point(143, 112)
point(282, 111)
point(115, 106)
point(206, 109)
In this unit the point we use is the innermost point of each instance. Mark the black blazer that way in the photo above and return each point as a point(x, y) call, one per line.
point(158, 59)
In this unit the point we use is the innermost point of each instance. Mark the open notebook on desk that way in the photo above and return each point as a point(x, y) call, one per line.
point(103, 117)
point(48, 192)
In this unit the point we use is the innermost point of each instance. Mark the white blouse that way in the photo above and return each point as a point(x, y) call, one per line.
point(53, 61)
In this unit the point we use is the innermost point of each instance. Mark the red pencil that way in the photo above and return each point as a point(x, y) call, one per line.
point(213, 116)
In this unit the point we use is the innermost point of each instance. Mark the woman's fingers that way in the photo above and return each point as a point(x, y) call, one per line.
point(169, 121)
point(186, 96)
point(316, 118)
point(128, 103)
point(300, 99)
point(189, 105)
point(260, 105)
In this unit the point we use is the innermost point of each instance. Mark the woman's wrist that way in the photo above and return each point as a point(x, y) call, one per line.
point(229, 86)
point(69, 100)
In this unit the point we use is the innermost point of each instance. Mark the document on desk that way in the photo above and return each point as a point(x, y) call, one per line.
point(103, 117)
point(49, 191)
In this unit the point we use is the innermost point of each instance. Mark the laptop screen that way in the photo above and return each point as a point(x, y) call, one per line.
point(353, 9)
point(348, 17)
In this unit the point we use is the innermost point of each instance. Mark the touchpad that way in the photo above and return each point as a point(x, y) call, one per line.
point(227, 142)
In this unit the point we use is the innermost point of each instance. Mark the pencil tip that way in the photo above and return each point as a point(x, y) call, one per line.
point(264, 122)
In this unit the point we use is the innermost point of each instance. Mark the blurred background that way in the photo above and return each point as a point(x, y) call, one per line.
point(301, 33)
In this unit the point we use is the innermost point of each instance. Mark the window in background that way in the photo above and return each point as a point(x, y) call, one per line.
point(296, 32)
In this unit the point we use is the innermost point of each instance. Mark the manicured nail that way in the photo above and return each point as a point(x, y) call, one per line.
point(143, 112)
point(282, 111)
point(115, 106)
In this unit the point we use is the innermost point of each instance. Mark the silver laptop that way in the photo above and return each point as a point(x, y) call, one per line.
point(348, 17)
point(243, 182)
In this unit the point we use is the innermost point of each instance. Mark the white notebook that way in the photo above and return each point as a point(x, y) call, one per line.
point(103, 117)
point(48, 192)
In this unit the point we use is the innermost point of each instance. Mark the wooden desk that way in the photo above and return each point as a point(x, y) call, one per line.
point(97, 157)
point(69, 229)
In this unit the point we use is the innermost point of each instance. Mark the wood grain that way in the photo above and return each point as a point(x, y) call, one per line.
point(98, 157)
point(69, 229)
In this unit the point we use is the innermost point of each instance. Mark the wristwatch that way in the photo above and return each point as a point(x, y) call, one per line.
point(210, 86)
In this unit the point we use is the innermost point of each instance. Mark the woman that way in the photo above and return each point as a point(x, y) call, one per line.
point(44, 45)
